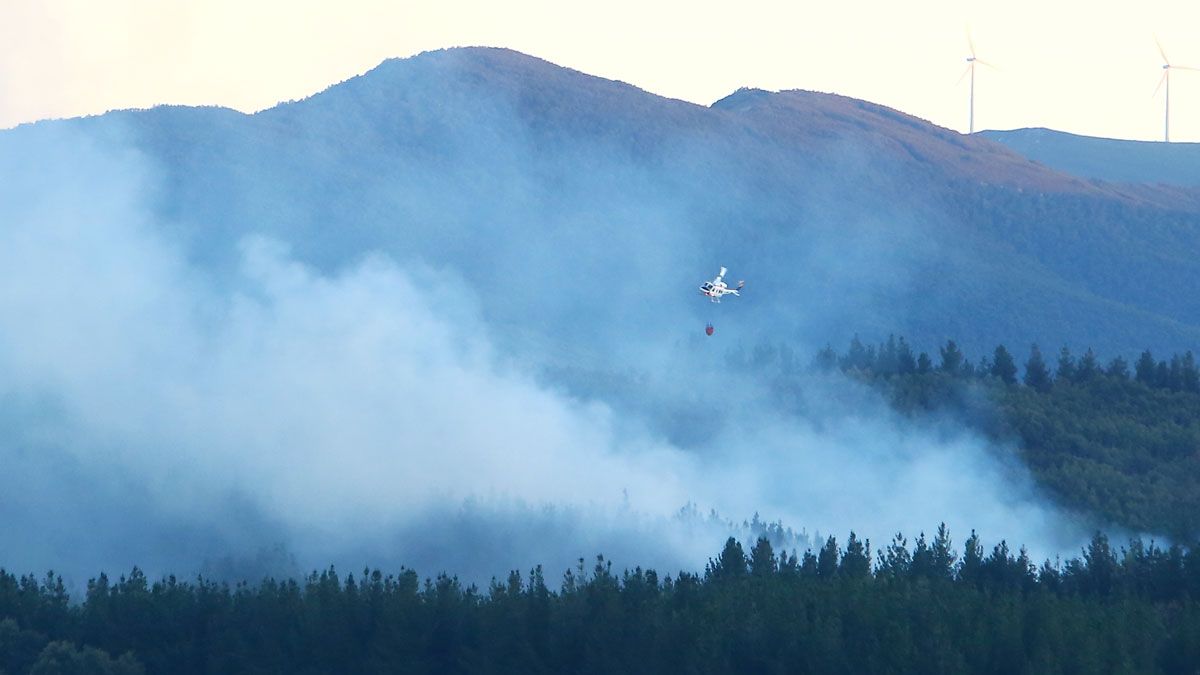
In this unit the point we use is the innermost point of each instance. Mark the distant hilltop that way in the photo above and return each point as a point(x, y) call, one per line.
point(847, 215)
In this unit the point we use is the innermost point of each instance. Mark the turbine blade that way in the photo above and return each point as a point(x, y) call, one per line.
point(994, 66)
point(1162, 52)
point(1183, 68)
point(970, 43)
point(1160, 84)
point(960, 77)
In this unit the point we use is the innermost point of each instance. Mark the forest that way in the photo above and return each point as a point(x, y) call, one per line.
point(1116, 442)
point(1113, 440)
point(919, 607)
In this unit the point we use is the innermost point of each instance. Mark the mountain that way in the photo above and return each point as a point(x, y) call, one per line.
point(597, 207)
point(1106, 159)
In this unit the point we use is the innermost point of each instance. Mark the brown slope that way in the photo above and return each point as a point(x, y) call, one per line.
point(822, 122)
point(817, 126)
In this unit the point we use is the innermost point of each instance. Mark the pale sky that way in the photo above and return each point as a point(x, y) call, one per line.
point(1088, 67)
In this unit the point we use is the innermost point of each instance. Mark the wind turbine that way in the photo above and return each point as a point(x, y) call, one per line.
point(971, 61)
point(1166, 80)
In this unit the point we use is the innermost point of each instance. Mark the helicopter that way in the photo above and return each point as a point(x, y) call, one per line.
point(717, 287)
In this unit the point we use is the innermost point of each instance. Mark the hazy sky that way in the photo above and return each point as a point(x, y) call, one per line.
point(1083, 66)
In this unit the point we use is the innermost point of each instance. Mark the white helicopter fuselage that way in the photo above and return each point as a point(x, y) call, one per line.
point(717, 288)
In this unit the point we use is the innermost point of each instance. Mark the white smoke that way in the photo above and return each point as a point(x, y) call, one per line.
point(158, 409)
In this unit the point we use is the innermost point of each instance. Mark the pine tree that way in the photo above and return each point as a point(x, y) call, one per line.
point(924, 364)
point(970, 569)
point(1144, 369)
point(825, 360)
point(1175, 373)
point(856, 562)
point(788, 565)
point(996, 569)
point(730, 564)
point(1003, 367)
point(1117, 368)
point(859, 357)
point(888, 363)
point(808, 564)
point(1066, 367)
point(1089, 367)
point(984, 369)
point(1037, 376)
point(943, 553)
point(922, 559)
point(1100, 564)
point(1027, 569)
point(762, 559)
point(895, 561)
point(905, 363)
point(952, 358)
point(1189, 378)
point(827, 559)
point(1049, 576)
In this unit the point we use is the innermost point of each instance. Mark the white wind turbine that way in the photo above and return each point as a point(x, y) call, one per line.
point(1166, 80)
point(971, 61)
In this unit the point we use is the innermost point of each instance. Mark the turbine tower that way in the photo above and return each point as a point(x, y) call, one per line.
point(1165, 80)
point(971, 61)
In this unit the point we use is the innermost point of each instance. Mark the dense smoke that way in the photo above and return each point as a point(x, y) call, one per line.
point(429, 402)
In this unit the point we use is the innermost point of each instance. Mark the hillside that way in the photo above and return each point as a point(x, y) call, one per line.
point(494, 260)
point(1113, 440)
point(1106, 159)
point(848, 216)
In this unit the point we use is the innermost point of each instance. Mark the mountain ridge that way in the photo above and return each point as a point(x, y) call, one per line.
point(853, 216)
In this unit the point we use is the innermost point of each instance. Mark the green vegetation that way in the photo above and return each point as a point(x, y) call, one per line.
point(1111, 440)
point(918, 608)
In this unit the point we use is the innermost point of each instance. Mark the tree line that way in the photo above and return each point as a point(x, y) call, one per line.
point(896, 357)
point(921, 608)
